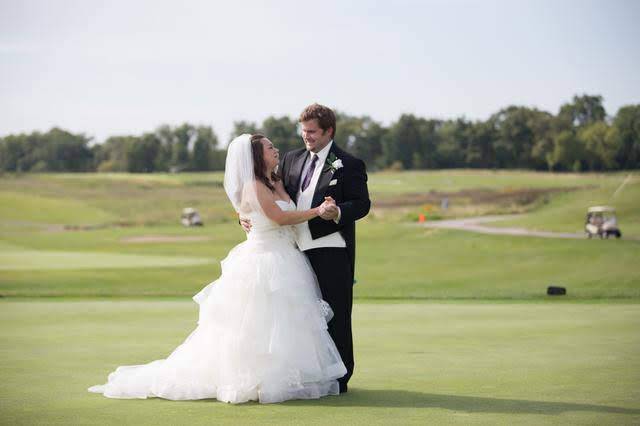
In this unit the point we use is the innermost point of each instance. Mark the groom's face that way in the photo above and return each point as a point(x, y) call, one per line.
point(313, 136)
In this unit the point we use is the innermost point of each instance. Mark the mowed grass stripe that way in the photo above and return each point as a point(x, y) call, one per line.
point(26, 208)
point(29, 260)
point(393, 261)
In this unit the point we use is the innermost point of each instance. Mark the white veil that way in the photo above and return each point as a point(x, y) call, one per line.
point(239, 179)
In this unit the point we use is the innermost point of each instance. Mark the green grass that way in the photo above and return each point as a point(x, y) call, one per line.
point(560, 211)
point(39, 257)
point(394, 261)
point(157, 199)
point(450, 327)
point(14, 258)
point(412, 262)
point(416, 363)
point(112, 199)
point(393, 183)
point(24, 208)
point(566, 212)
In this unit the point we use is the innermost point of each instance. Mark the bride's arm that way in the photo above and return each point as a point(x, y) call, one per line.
point(275, 213)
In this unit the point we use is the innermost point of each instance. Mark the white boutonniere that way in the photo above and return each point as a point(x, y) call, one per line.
point(332, 163)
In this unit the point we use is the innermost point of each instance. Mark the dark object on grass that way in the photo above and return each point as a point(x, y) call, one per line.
point(556, 291)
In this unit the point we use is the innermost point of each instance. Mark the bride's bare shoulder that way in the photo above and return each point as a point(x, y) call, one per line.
point(263, 191)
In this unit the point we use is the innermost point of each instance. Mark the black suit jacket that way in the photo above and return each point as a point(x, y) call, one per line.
point(350, 193)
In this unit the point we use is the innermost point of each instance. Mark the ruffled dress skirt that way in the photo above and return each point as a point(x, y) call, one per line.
point(261, 335)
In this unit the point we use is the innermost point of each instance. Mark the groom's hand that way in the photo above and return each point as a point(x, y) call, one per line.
point(245, 223)
point(329, 210)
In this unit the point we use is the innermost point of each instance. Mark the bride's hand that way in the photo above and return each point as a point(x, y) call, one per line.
point(322, 208)
point(330, 200)
point(328, 209)
point(326, 204)
point(245, 223)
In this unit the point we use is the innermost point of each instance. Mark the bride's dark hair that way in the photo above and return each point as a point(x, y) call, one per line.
point(259, 166)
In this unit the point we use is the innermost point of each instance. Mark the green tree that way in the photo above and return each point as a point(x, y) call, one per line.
point(12, 151)
point(113, 154)
point(67, 151)
point(283, 132)
point(203, 147)
point(480, 152)
point(360, 136)
point(56, 150)
point(453, 143)
point(142, 153)
point(429, 141)
point(516, 136)
point(403, 140)
point(184, 137)
point(241, 127)
point(567, 152)
point(583, 110)
point(599, 148)
point(165, 135)
point(626, 136)
point(542, 125)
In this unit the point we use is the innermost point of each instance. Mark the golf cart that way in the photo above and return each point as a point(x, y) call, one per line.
point(601, 221)
point(190, 217)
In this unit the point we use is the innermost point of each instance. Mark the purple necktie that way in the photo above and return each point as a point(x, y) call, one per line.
point(307, 178)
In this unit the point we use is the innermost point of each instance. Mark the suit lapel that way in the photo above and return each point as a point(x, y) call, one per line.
point(295, 173)
point(323, 180)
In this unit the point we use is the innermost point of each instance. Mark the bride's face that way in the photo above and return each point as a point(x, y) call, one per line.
point(270, 153)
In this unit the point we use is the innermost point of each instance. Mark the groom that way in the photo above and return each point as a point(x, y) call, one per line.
point(321, 169)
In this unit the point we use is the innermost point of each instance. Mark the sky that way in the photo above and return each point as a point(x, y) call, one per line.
point(107, 68)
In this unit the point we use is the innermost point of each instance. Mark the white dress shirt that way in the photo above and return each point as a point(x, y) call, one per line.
point(304, 200)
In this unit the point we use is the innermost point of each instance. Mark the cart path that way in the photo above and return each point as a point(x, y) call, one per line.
point(477, 224)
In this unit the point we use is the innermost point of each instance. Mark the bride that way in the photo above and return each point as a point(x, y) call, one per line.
point(262, 327)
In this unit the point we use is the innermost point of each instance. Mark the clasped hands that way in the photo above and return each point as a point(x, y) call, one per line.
point(328, 210)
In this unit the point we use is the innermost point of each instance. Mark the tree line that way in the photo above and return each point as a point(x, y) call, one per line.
point(580, 137)
point(184, 147)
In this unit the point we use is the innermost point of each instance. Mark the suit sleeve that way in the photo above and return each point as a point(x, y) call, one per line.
point(356, 194)
point(353, 201)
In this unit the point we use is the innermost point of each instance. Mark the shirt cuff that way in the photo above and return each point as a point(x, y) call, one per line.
point(337, 219)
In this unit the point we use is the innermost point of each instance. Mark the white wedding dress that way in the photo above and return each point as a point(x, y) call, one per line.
point(261, 333)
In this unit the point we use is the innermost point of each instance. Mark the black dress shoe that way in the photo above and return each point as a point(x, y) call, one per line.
point(343, 388)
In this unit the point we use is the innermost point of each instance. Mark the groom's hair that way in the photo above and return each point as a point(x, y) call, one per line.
point(258, 162)
point(325, 116)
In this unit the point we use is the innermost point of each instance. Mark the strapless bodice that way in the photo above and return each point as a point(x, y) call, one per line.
point(265, 229)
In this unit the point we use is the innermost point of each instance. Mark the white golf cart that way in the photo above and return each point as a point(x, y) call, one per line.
point(191, 217)
point(601, 221)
